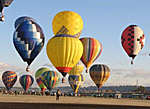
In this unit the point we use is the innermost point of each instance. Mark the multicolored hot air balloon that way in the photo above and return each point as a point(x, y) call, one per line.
point(28, 40)
point(9, 79)
point(133, 40)
point(76, 81)
point(77, 69)
point(22, 19)
point(92, 50)
point(64, 51)
point(99, 74)
point(67, 22)
point(38, 76)
point(50, 79)
point(26, 81)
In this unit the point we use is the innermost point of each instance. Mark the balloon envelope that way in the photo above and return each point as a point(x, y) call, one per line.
point(9, 79)
point(22, 19)
point(92, 50)
point(50, 79)
point(133, 40)
point(76, 81)
point(64, 51)
point(38, 76)
point(26, 81)
point(28, 40)
point(67, 22)
point(99, 74)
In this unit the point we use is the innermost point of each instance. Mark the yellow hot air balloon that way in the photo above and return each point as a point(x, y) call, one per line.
point(64, 51)
point(67, 22)
point(77, 69)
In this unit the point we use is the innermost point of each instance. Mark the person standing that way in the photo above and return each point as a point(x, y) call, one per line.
point(57, 95)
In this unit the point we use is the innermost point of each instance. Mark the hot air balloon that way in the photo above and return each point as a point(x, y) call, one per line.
point(67, 22)
point(9, 79)
point(28, 40)
point(38, 76)
point(22, 19)
point(26, 81)
point(133, 40)
point(64, 51)
point(92, 50)
point(99, 74)
point(76, 81)
point(77, 69)
point(4, 3)
point(50, 79)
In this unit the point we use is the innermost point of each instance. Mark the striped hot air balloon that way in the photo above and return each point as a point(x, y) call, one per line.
point(67, 22)
point(99, 74)
point(92, 50)
point(50, 79)
point(26, 81)
point(38, 76)
point(133, 40)
point(9, 79)
point(76, 81)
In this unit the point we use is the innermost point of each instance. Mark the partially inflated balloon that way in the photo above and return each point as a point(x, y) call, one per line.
point(67, 22)
point(50, 79)
point(22, 19)
point(38, 76)
point(92, 50)
point(28, 40)
point(99, 74)
point(26, 81)
point(64, 51)
point(9, 79)
point(133, 40)
point(76, 81)
point(77, 69)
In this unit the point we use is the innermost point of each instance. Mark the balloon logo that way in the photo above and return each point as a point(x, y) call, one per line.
point(50, 79)
point(133, 40)
point(9, 79)
point(67, 22)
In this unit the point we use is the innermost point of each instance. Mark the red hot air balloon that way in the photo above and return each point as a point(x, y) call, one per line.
point(133, 40)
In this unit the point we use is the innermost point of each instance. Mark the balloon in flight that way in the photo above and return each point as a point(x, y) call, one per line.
point(67, 22)
point(28, 40)
point(133, 40)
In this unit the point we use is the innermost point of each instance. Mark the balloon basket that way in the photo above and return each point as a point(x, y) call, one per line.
point(63, 80)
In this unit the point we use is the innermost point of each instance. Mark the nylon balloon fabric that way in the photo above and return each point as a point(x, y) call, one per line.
point(9, 79)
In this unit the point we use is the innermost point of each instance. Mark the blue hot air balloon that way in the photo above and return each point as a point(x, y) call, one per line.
point(28, 40)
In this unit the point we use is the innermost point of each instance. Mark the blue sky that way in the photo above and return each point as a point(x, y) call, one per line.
point(104, 20)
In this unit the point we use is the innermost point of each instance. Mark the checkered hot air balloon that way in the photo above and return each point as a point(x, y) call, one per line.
point(26, 81)
point(133, 40)
point(9, 79)
point(50, 79)
point(28, 40)
point(99, 74)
